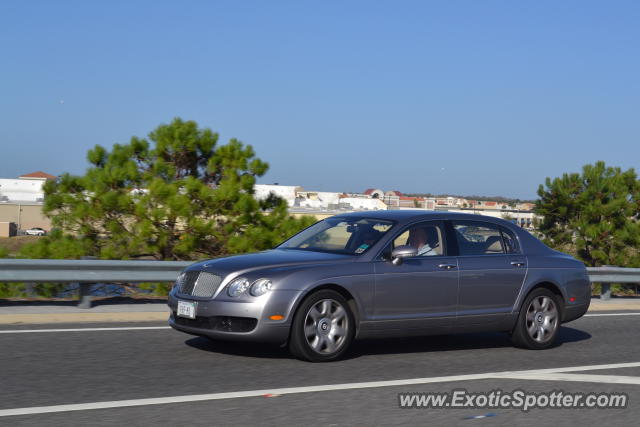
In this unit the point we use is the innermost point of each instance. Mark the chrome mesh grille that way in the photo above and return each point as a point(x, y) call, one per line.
point(188, 281)
point(206, 285)
point(198, 283)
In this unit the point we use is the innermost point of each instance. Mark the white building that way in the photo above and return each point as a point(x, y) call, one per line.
point(358, 203)
point(317, 199)
point(26, 188)
point(287, 192)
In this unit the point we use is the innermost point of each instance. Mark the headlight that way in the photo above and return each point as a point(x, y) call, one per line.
point(260, 287)
point(237, 287)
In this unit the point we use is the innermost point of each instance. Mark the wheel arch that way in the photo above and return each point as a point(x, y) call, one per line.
point(351, 300)
point(551, 286)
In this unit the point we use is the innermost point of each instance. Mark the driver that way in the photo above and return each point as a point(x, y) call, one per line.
point(425, 240)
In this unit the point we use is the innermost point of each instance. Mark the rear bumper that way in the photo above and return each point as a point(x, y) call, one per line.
point(573, 312)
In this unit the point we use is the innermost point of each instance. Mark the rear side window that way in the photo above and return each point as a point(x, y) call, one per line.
point(510, 242)
point(478, 238)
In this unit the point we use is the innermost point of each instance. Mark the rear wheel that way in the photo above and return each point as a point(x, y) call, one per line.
point(322, 328)
point(539, 320)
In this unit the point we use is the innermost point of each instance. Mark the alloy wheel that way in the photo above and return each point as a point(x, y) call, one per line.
point(326, 326)
point(541, 318)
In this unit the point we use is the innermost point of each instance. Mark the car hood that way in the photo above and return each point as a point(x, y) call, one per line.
point(269, 259)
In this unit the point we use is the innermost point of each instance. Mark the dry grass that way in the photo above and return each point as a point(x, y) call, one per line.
point(13, 244)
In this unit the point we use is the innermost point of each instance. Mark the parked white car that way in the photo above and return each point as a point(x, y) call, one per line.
point(35, 231)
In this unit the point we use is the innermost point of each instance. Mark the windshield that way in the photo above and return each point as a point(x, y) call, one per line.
point(351, 236)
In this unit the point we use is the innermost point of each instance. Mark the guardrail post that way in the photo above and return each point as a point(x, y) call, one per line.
point(605, 291)
point(84, 290)
point(30, 289)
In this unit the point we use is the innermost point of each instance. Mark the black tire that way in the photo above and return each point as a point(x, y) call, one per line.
point(539, 320)
point(328, 332)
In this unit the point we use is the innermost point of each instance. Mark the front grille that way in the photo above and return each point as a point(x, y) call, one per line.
point(187, 281)
point(206, 285)
point(219, 323)
point(198, 284)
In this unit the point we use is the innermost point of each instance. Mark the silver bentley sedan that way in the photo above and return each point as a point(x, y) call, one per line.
point(385, 274)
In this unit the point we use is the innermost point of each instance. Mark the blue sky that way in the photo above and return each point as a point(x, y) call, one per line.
point(465, 97)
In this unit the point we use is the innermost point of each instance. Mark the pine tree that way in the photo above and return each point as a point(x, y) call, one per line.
point(595, 213)
point(176, 195)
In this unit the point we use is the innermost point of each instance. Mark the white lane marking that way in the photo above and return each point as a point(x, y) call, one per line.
point(612, 314)
point(233, 395)
point(535, 373)
point(131, 328)
point(573, 369)
point(607, 379)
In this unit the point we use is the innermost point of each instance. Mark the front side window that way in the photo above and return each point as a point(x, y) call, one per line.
point(478, 238)
point(425, 237)
point(350, 236)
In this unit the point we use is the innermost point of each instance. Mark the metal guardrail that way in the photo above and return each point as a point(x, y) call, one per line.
point(610, 274)
point(89, 271)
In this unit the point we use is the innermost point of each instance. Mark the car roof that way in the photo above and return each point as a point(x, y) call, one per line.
point(410, 214)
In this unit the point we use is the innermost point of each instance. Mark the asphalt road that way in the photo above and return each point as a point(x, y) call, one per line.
point(84, 367)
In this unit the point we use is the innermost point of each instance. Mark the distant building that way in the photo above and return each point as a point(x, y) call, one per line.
point(317, 199)
point(525, 206)
point(26, 188)
point(430, 203)
point(21, 201)
point(410, 202)
point(392, 198)
point(323, 204)
point(487, 204)
point(374, 193)
point(287, 192)
point(39, 175)
point(359, 203)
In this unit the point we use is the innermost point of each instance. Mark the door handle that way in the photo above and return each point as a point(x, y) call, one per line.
point(517, 263)
point(447, 266)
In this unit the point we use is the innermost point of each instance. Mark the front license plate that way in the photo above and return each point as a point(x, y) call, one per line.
point(187, 309)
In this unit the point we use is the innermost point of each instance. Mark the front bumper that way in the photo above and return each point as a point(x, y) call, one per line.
point(238, 320)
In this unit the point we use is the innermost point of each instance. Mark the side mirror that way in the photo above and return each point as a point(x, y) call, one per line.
point(404, 251)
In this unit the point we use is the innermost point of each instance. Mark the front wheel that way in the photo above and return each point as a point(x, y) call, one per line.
point(538, 321)
point(322, 328)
